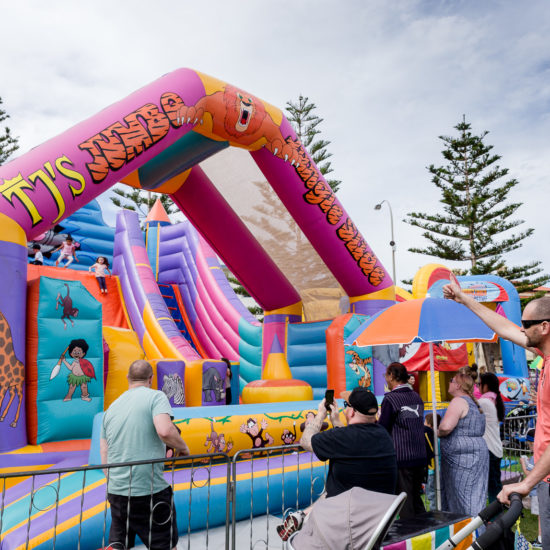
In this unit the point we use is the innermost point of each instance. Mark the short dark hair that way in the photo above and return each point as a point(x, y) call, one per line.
point(36, 246)
point(140, 370)
point(398, 371)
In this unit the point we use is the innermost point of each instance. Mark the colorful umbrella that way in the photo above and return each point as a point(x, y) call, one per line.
point(423, 320)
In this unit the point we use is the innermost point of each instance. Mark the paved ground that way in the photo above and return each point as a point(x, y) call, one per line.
point(258, 535)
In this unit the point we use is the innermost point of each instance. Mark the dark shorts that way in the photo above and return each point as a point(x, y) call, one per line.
point(159, 534)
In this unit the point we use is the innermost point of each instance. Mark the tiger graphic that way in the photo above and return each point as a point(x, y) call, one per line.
point(360, 367)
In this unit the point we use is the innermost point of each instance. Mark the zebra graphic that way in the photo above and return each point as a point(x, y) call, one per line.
point(172, 386)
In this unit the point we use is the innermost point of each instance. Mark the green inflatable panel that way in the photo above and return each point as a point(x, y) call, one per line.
point(69, 361)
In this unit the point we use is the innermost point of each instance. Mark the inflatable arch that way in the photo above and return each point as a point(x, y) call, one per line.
point(154, 140)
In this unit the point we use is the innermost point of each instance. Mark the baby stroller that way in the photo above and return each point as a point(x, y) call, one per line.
point(359, 520)
point(498, 535)
point(355, 519)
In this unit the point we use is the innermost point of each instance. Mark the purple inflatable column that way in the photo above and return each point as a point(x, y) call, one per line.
point(13, 259)
point(327, 226)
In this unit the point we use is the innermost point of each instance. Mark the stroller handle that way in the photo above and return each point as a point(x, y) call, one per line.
point(496, 529)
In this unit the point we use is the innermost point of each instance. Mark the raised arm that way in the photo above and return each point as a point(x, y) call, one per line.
point(503, 327)
point(313, 427)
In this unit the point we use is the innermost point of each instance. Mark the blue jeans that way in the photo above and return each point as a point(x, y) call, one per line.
point(430, 489)
point(543, 494)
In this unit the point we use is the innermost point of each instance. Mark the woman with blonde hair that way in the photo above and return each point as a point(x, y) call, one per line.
point(464, 453)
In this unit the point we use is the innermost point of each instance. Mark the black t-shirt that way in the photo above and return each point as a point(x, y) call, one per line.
point(360, 455)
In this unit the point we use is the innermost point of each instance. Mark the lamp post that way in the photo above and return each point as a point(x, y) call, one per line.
point(392, 242)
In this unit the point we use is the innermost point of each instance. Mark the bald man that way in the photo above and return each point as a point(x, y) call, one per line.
point(138, 426)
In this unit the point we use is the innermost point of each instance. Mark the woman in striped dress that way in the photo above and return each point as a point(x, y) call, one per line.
point(464, 453)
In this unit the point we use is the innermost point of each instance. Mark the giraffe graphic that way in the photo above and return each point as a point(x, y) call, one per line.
point(12, 372)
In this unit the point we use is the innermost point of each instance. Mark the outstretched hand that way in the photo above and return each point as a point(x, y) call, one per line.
point(452, 290)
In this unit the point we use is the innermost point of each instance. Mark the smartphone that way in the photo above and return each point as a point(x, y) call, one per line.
point(329, 399)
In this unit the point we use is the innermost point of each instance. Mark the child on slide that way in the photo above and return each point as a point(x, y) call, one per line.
point(68, 250)
point(101, 267)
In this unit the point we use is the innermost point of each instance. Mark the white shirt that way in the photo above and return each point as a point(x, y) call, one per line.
point(492, 430)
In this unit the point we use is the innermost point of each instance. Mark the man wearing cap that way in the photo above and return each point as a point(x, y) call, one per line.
point(361, 453)
point(534, 334)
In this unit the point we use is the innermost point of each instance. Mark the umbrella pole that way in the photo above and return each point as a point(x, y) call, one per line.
point(436, 439)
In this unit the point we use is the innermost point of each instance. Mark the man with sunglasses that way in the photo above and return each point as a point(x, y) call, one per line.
point(534, 334)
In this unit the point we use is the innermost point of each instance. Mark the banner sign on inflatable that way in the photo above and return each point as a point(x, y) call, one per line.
point(447, 356)
point(480, 291)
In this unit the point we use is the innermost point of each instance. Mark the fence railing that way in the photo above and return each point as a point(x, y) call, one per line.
point(217, 498)
point(515, 444)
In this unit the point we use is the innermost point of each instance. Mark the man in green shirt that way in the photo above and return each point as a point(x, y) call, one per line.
point(138, 426)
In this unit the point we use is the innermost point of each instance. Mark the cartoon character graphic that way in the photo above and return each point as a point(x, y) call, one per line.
point(12, 372)
point(256, 433)
point(240, 118)
point(213, 386)
point(66, 303)
point(81, 370)
point(172, 386)
point(288, 437)
point(361, 369)
point(216, 442)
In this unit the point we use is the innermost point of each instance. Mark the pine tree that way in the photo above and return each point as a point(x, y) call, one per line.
point(476, 212)
point(8, 143)
point(141, 201)
point(305, 123)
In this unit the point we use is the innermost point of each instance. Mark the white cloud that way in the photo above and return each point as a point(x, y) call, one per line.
point(388, 78)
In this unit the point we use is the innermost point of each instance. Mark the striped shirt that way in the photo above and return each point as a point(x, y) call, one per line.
point(402, 414)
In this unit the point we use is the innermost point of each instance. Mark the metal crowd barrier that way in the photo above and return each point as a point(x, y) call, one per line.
point(513, 434)
point(259, 485)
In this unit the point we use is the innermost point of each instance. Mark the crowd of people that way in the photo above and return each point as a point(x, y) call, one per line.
point(387, 449)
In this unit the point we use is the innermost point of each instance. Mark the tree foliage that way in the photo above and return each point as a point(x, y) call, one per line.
point(8, 143)
point(477, 218)
point(306, 125)
point(141, 201)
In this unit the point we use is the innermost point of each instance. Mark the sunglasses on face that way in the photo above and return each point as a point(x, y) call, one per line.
point(346, 404)
point(526, 323)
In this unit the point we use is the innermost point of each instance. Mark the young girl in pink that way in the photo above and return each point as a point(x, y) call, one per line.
point(68, 250)
point(101, 267)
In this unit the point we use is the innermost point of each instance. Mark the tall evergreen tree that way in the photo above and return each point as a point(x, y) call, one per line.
point(8, 143)
point(476, 212)
point(306, 125)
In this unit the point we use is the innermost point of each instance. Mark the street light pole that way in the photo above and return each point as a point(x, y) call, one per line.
point(392, 242)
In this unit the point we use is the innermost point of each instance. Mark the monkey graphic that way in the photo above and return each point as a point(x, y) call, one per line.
point(288, 437)
point(67, 304)
point(256, 433)
point(216, 443)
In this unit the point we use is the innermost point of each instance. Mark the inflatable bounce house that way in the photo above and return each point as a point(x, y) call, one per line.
point(252, 197)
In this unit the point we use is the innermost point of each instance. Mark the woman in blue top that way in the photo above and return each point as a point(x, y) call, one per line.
point(464, 453)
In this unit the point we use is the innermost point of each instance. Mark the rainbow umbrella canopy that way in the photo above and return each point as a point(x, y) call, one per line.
point(422, 320)
point(426, 320)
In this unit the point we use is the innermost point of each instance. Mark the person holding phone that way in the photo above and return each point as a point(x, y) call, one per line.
point(360, 451)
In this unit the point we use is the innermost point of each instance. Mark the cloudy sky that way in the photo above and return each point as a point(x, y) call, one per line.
point(388, 77)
